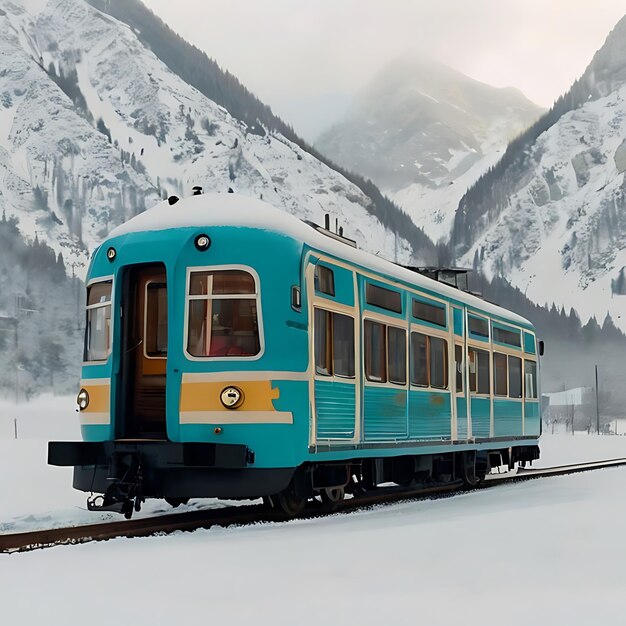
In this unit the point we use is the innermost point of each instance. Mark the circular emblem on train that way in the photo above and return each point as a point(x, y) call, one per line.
point(202, 242)
point(231, 397)
point(111, 254)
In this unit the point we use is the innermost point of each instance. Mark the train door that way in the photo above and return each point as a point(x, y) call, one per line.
point(144, 353)
point(335, 354)
point(459, 381)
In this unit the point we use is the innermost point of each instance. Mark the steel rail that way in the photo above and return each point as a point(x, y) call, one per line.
point(257, 513)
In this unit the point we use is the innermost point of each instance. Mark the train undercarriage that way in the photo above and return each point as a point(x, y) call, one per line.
point(123, 474)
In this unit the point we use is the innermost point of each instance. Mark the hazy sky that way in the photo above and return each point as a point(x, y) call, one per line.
point(305, 59)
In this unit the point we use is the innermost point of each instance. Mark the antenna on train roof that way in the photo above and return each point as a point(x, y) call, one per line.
point(325, 230)
point(197, 190)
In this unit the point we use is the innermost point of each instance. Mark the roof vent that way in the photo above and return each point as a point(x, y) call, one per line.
point(173, 199)
point(197, 190)
point(453, 276)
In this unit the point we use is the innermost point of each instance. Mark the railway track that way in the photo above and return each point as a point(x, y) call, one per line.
point(257, 513)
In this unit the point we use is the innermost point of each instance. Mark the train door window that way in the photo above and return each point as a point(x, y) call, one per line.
point(323, 335)
point(478, 371)
point(343, 345)
point(375, 353)
point(458, 367)
point(515, 377)
point(530, 379)
point(223, 314)
point(98, 326)
point(419, 359)
point(155, 331)
point(324, 280)
point(438, 362)
point(334, 344)
point(396, 351)
point(500, 374)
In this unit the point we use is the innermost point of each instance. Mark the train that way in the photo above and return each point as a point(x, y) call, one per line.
point(235, 351)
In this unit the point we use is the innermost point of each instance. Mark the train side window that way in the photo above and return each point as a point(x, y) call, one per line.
point(223, 314)
point(429, 361)
point(515, 377)
point(324, 280)
point(500, 374)
point(530, 379)
point(375, 351)
point(419, 359)
point(383, 298)
point(479, 371)
point(323, 335)
point(396, 349)
point(343, 345)
point(458, 367)
point(509, 337)
point(155, 332)
point(438, 362)
point(98, 323)
point(429, 313)
point(478, 326)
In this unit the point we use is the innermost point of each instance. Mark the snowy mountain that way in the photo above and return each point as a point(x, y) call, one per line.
point(551, 215)
point(95, 128)
point(424, 133)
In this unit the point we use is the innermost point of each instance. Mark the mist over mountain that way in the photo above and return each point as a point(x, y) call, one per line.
point(423, 132)
point(99, 121)
point(551, 215)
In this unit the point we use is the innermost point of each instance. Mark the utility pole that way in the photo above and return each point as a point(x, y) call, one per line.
point(597, 404)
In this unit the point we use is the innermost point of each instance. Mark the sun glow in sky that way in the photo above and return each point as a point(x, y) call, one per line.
point(305, 59)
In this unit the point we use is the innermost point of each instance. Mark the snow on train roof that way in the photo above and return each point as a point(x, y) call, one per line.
point(237, 210)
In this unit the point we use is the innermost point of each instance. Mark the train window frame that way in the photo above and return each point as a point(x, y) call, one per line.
point(535, 380)
point(429, 362)
point(438, 307)
point(162, 357)
point(506, 336)
point(478, 379)
point(89, 307)
point(366, 351)
point(246, 296)
point(403, 368)
point(371, 290)
point(521, 377)
point(330, 345)
point(500, 375)
point(324, 280)
point(478, 335)
point(459, 369)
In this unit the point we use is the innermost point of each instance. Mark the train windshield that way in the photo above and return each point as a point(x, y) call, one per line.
point(98, 328)
point(222, 314)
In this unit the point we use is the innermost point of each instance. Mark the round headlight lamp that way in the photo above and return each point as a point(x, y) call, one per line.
point(202, 242)
point(82, 399)
point(111, 254)
point(231, 397)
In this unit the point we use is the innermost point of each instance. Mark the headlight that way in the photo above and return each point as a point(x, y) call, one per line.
point(82, 399)
point(202, 242)
point(111, 254)
point(231, 397)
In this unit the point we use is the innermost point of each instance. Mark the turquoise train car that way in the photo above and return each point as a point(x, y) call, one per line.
point(234, 351)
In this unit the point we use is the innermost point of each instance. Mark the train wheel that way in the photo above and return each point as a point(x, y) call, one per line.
point(290, 503)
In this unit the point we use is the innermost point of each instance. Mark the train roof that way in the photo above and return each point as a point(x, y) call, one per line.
point(217, 209)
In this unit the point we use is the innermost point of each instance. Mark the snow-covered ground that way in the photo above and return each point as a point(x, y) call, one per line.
point(548, 551)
